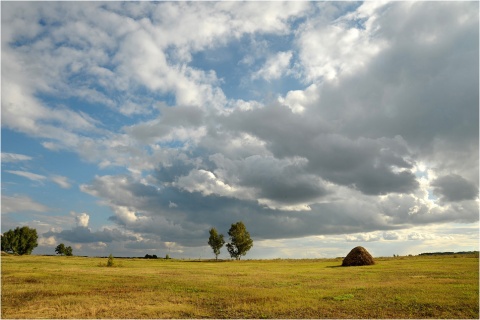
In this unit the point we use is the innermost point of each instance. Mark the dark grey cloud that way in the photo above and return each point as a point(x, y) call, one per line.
point(373, 166)
point(454, 188)
point(423, 86)
point(390, 235)
point(280, 180)
point(85, 235)
point(409, 210)
point(171, 173)
point(364, 163)
point(188, 222)
point(299, 189)
point(169, 119)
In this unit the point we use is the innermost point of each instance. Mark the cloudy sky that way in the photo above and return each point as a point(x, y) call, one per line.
point(133, 128)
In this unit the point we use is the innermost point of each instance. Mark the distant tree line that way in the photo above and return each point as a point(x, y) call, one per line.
point(240, 241)
point(446, 253)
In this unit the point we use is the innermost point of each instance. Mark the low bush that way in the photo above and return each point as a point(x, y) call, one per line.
point(110, 261)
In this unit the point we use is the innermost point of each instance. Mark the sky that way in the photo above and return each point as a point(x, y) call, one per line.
point(132, 128)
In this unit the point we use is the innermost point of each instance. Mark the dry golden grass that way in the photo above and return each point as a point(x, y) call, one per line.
point(75, 287)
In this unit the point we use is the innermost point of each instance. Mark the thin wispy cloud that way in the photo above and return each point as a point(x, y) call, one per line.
point(18, 203)
point(29, 175)
point(61, 181)
point(14, 157)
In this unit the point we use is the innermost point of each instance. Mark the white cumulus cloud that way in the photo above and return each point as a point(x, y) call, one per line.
point(275, 66)
point(82, 220)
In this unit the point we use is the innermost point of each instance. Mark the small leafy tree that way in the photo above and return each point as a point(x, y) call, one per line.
point(240, 241)
point(68, 251)
point(20, 241)
point(60, 249)
point(216, 242)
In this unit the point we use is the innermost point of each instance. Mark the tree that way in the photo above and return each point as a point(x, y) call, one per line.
point(20, 241)
point(68, 251)
point(8, 241)
point(216, 242)
point(240, 241)
point(60, 249)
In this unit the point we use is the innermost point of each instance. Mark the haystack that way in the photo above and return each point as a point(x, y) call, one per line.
point(359, 256)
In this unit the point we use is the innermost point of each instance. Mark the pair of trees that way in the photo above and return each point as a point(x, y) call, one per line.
point(62, 250)
point(240, 241)
point(20, 241)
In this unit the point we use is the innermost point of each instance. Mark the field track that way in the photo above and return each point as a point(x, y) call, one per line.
point(401, 287)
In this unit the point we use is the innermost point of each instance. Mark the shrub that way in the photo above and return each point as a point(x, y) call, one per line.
point(110, 261)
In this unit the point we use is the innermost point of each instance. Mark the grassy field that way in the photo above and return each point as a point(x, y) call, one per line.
point(402, 287)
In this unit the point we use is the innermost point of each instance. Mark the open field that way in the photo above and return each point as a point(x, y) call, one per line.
point(402, 287)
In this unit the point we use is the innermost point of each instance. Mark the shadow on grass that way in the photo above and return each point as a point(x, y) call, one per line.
point(339, 266)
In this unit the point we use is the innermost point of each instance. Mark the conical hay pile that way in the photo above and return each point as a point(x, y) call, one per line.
point(359, 256)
